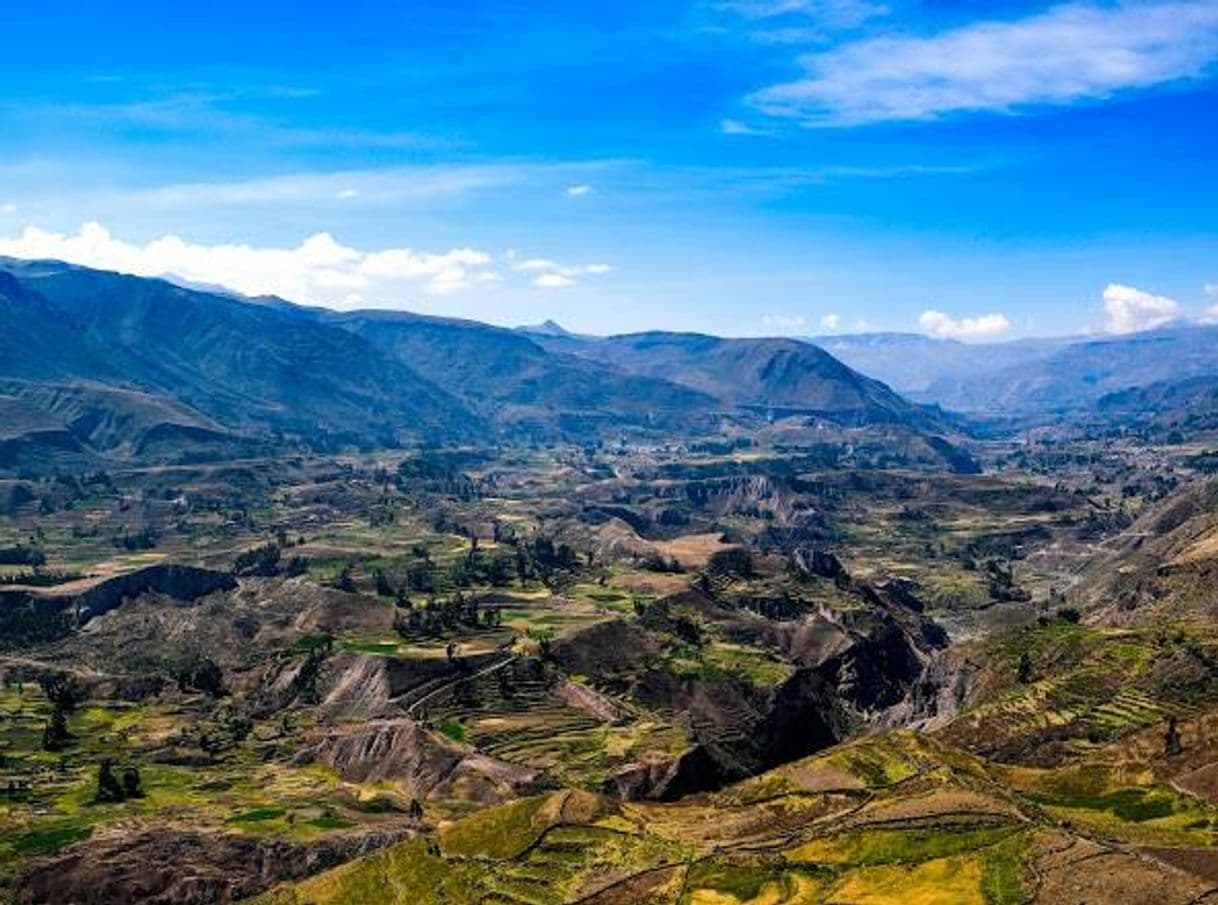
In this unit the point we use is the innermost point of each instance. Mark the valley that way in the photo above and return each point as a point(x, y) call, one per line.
point(300, 607)
point(618, 672)
point(697, 452)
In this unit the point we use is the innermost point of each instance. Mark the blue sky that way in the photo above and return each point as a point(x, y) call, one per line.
point(977, 170)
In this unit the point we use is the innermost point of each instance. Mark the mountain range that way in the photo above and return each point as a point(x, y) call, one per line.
point(1030, 377)
point(922, 366)
point(1077, 376)
point(99, 364)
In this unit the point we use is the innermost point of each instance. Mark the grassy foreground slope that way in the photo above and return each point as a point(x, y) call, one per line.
point(896, 818)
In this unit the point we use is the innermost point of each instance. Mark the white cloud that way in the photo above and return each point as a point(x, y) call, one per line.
point(1071, 52)
point(945, 326)
point(580, 191)
point(8, 208)
point(831, 322)
point(553, 275)
point(553, 281)
point(800, 22)
point(736, 127)
point(535, 264)
point(439, 273)
point(832, 13)
point(348, 193)
point(1130, 310)
point(320, 270)
point(1210, 315)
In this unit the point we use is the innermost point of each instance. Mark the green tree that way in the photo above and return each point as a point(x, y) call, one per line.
point(132, 785)
point(108, 787)
point(1025, 668)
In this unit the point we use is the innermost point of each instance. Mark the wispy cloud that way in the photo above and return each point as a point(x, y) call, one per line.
point(1073, 52)
point(553, 281)
point(1129, 309)
point(803, 21)
point(945, 326)
point(736, 127)
point(319, 269)
point(831, 322)
point(552, 275)
point(384, 186)
point(713, 181)
point(318, 190)
point(580, 191)
point(207, 115)
point(834, 13)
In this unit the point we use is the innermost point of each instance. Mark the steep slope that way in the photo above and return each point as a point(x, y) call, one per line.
point(896, 818)
point(55, 402)
point(1164, 567)
point(781, 374)
point(1188, 404)
point(118, 422)
point(507, 375)
point(254, 369)
point(40, 341)
point(1079, 375)
point(31, 437)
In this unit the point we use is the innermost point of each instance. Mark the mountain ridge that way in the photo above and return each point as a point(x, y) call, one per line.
point(269, 371)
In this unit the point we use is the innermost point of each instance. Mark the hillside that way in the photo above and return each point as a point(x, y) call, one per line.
point(1190, 404)
point(41, 341)
point(895, 818)
point(253, 368)
point(544, 674)
point(1076, 377)
point(1164, 567)
point(778, 374)
point(508, 377)
point(84, 422)
point(108, 366)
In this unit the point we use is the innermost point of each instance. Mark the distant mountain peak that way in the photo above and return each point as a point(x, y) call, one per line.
point(547, 328)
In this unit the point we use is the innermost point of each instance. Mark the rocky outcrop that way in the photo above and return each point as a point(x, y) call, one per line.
point(806, 563)
point(351, 686)
point(606, 649)
point(850, 668)
point(423, 763)
point(591, 701)
point(89, 598)
point(166, 866)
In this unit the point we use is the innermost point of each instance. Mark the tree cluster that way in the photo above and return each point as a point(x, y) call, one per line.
point(65, 695)
point(21, 555)
point(118, 788)
point(439, 617)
